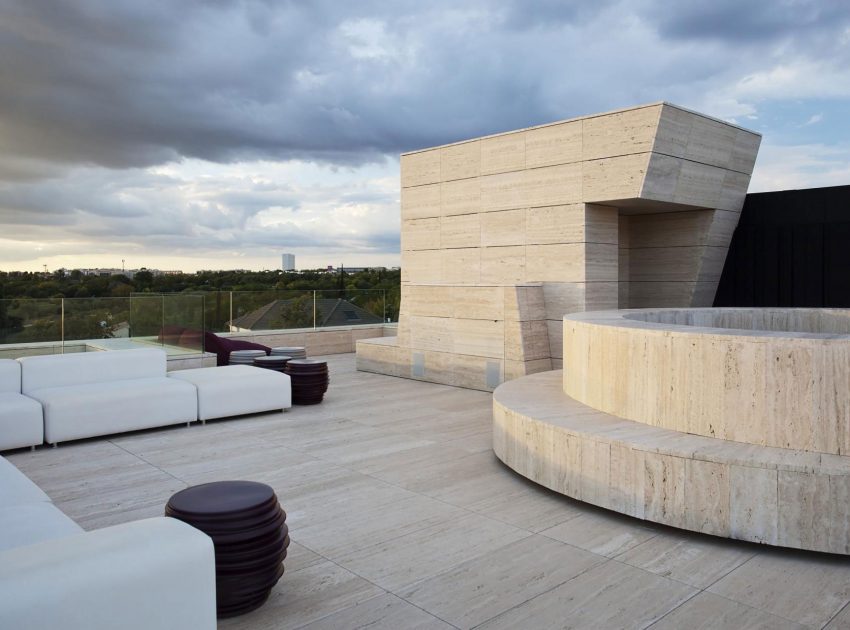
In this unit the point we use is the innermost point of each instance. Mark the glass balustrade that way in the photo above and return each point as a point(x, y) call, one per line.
point(176, 321)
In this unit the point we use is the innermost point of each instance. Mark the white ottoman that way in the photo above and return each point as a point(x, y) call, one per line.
point(233, 390)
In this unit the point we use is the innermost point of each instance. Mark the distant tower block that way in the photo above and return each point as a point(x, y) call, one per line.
point(287, 262)
point(504, 235)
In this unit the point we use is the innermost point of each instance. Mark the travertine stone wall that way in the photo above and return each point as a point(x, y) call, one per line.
point(627, 208)
point(775, 496)
point(769, 377)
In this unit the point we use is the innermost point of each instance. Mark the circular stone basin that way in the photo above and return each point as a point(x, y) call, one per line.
point(766, 376)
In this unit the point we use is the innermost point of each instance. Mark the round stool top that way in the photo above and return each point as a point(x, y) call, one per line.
point(247, 353)
point(308, 362)
point(222, 497)
point(274, 359)
point(285, 348)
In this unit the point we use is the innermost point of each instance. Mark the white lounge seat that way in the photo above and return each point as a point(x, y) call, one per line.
point(16, 487)
point(31, 523)
point(234, 390)
point(21, 421)
point(98, 393)
point(155, 574)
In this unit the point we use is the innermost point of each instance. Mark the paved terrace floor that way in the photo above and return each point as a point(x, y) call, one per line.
point(402, 518)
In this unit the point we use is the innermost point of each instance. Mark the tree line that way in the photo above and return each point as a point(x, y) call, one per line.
point(30, 302)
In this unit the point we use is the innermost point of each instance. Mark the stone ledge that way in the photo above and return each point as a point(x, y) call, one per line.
point(760, 494)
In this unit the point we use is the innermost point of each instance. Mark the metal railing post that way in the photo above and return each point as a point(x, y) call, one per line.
point(62, 325)
point(314, 310)
point(230, 321)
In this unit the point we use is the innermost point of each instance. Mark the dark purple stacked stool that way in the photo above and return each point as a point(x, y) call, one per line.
point(308, 379)
point(249, 532)
point(275, 362)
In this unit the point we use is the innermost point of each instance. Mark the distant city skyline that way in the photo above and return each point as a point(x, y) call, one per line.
point(209, 141)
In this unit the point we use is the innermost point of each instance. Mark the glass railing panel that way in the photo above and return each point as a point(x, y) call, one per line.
point(30, 320)
point(216, 311)
point(30, 326)
point(96, 319)
point(350, 307)
point(271, 310)
point(147, 318)
point(183, 322)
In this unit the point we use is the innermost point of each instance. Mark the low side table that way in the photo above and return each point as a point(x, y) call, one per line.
point(249, 532)
point(309, 380)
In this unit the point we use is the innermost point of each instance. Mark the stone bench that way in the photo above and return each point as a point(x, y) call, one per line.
point(761, 494)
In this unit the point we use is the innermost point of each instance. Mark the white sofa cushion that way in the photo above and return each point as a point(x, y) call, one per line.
point(16, 487)
point(30, 523)
point(21, 421)
point(83, 411)
point(10, 376)
point(155, 574)
point(234, 390)
point(83, 368)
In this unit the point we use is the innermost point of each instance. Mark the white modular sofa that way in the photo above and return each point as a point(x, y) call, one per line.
point(154, 574)
point(21, 423)
point(233, 390)
point(88, 394)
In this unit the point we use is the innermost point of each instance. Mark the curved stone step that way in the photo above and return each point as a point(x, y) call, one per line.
point(737, 490)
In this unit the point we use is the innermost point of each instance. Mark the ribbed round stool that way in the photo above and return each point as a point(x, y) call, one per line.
point(245, 357)
point(309, 380)
point(249, 532)
point(275, 362)
point(295, 352)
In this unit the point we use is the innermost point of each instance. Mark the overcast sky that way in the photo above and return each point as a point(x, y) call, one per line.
point(188, 135)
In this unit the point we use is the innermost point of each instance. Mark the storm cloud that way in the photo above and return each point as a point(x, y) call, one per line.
point(195, 125)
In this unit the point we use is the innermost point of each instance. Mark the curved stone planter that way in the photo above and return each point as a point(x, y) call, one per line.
point(550, 427)
point(772, 377)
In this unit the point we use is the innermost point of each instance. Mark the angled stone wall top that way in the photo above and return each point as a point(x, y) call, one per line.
point(630, 208)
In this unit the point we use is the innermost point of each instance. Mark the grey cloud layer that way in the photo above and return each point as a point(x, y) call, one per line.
point(93, 92)
point(123, 83)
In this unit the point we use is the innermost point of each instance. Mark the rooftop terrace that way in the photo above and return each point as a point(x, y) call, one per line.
point(402, 517)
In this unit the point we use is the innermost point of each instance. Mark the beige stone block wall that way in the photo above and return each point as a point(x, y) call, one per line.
point(766, 377)
point(628, 208)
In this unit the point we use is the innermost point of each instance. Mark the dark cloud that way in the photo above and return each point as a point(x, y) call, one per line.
point(750, 21)
point(125, 83)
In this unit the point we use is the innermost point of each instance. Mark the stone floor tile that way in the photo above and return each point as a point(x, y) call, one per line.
point(369, 525)
point(304, 596)
point(484, 587)
point(385, 612)
point(605, 533)
point(841, 621)
point(427, 552)
point(690, 558)
point(413, 458)
point(529, 506)
point(809, 588)
point(712, 612)
point(299, 557)
point(610, 596)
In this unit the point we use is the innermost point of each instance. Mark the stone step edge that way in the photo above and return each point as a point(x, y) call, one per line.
point(620, 465)
point(551, 405)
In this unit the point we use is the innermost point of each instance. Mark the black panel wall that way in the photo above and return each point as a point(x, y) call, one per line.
point(791, 248)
